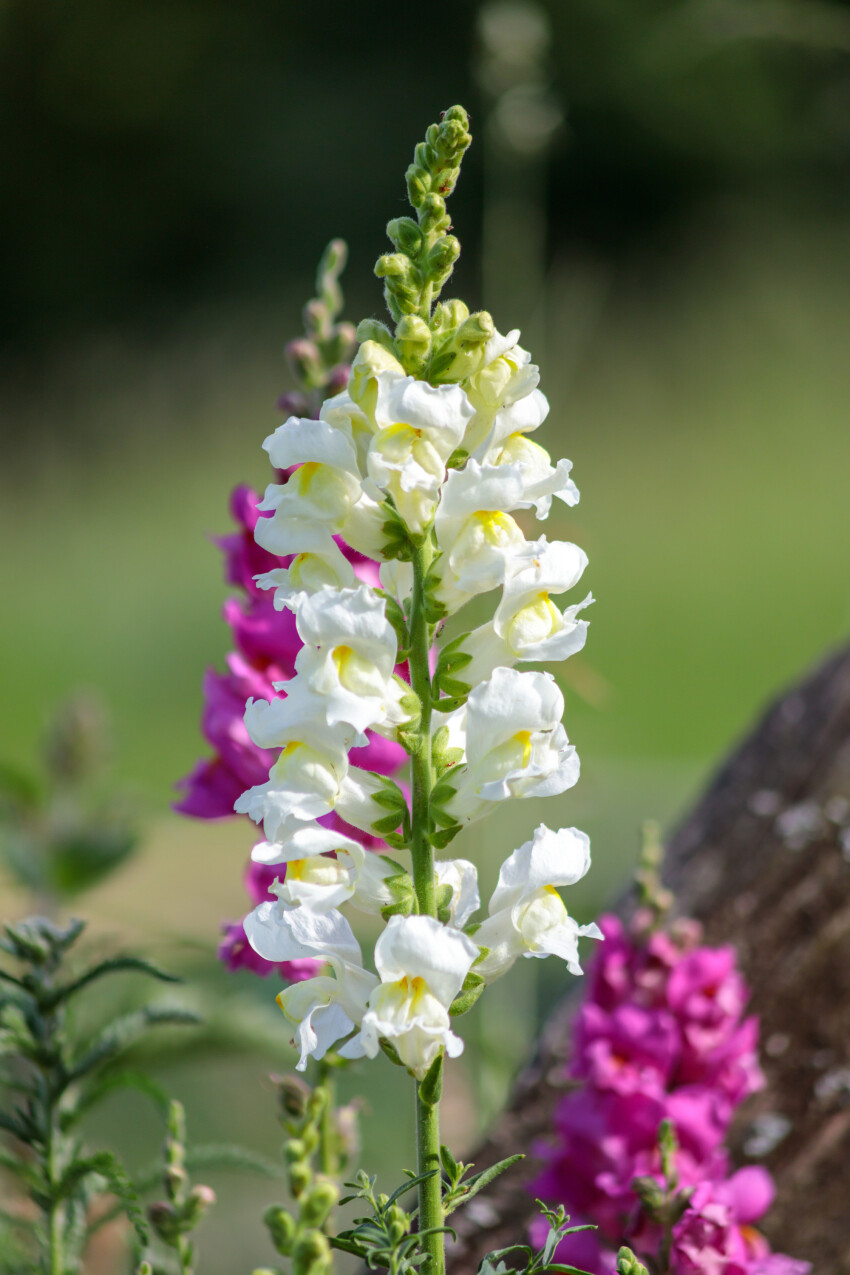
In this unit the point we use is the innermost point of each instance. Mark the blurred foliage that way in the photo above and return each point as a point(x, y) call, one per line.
point(60, 833)
point(160, 153)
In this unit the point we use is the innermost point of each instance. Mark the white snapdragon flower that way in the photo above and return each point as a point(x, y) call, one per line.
point(304, 783)
point(541, 479)
point(318, 881)
point(325, 491)
point(322, 1009)
point(527, 625)
point(312, 775)
point(513, 740)
point(320, 564)
point(418, 427)
point(476, 534)
point(422, 965)
point(504, 394)
point(462, 876)
point(527, 915)
point(349, 656)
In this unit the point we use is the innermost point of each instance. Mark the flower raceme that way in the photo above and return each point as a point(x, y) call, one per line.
point(433, 481)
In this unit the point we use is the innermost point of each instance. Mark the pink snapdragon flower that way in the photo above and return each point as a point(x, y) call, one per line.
point(662, 1035)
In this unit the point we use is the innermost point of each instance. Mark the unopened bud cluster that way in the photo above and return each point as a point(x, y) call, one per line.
point(299, 1234)
point(185, 1206)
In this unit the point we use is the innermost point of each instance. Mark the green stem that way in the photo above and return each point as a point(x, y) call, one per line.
point(327, 1151)
point(184, 1255)
point(422, 854)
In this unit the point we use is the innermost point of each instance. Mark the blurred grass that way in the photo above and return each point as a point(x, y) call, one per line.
point(704, 401)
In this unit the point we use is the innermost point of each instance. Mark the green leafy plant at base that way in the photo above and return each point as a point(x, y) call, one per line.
point(51, 1081)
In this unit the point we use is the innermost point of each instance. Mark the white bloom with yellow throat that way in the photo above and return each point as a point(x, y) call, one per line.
point(325, 869)
point(318, 564)
point(541, 479)
point(312, 775)
point(323, 1009)
point(348, 657)
point(527, 916)
point(325, 491)
point(422, 966)
point(504, 393)
point(527, 625)
point(476, 534)
point(418, 426)
point(514, 743)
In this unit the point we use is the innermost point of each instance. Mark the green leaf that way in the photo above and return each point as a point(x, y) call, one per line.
point(431, 1085)
point(473, 986)
point(390, 1051)
point(86, 856)
point(112, 1081)
point(389, 800)
point(473, 1185)
point(450, 1164)
point(108, 1167)
point(124, 1032)
point(113, 965)
point(439, 840)
point(388, 824)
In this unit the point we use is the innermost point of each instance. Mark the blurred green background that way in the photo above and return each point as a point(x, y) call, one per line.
point(658, 195)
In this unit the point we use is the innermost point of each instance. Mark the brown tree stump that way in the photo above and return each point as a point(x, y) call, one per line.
point(764, 863)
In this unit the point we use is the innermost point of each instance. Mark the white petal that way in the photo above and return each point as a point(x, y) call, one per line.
point(300, 441)
point(420, 947)
point(462, 876)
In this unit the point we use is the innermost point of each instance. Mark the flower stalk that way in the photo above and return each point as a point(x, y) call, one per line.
point(422, 856)
point(419, 464)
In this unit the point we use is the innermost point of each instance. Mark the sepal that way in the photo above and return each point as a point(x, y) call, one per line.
point(473, 986)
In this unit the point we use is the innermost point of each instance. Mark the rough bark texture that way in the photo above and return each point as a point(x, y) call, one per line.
point(764, 862)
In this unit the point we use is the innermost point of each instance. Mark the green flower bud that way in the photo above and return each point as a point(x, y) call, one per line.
point(310, 1138)
point(318, 1203)
point(405, 234)
point(176, 1178)
point(281, 1227)
point(144, 1268)
point(628, 1264)
point(417, 186)
point(393, 266)
point(443, 255)
point(199, 1200)
point(165, 1220)
point(312, 1254)
point(294, 1150)
point(305, 360)
point(652, 1197)
point(292, 1094)
point(448, 316)
point(300, 1177)
point(476, 330)
point(413, 337)
point(432, 214)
